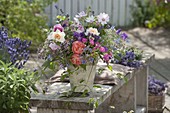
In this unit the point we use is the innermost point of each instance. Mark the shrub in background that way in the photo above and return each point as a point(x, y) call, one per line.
point(25, 18)
point(161, 16)
point(151, 13)
point(142, 10)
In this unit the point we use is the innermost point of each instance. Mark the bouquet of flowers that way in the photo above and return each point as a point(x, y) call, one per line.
point(81, 41)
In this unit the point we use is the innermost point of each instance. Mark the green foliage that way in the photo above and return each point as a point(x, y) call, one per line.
point(141, 12)
point(15, 88)
point(161, 16)
point(151, 13)
point(25, 18)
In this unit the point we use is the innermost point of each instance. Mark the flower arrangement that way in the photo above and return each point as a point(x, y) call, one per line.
point(156, 87)
point(82, 41)
point(13, 50)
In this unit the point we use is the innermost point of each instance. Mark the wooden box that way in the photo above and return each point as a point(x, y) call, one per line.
point(156, 102)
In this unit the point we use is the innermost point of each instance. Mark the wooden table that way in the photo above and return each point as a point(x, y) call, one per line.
point(125, 96)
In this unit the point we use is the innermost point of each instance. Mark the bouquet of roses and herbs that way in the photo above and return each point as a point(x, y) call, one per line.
point(82, 41)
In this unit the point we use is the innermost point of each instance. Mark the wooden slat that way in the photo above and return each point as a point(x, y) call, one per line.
point(68, 7)
point(74, 7)
point(109, 9)
point(116, 12)
point(122, 12)
point(95, 6)
point(101, 6)
point(128, 11)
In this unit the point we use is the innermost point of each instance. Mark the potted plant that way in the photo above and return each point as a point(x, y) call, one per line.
point(77, 45)
point(156, 98)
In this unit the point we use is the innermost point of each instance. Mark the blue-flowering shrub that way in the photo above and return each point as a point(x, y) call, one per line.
point(156, 87)
point(13, 50)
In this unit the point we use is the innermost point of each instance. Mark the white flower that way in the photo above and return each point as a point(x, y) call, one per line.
point(53, 46)
point(103, 18)
point(81, 14)
point(93, 31)
point(90, 19)
point(76, 22)
point(124, 111)
point(58, 36)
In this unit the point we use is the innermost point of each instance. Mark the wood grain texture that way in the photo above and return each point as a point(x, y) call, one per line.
point(47, 110)
point(124, 99)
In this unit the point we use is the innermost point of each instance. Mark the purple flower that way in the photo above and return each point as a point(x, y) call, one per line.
point(15, 50)
point(76, 34)
point(112, 28)
point(102, 49)
point(91, 41)
point(118, 31)
point(56, 6)
point(107, 57)
point(53, 46)
point(80, 28)
point(59, 27)
point(84, 40)
point(124, 36)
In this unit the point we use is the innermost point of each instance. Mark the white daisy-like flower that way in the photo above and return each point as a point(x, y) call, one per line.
point(103, 18)
point(58, 36)
point(90, 19)
point(93, 31)
point(53, 46)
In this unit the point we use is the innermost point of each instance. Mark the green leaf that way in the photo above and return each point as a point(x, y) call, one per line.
point(97, 86)
point(83, 66)
point(110, 67)
point(63, 76)
point(81, 81)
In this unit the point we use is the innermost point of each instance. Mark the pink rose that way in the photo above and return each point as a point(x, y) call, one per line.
point(77, 47)
point(102, 49)
point(75, 59)
point(59, 27)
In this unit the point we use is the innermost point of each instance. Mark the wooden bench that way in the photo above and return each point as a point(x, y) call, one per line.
point(125, 96)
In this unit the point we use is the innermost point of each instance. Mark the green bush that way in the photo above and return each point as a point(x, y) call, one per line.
point(151, 13)
point(25, 18)
point(161, 16)
point(141, 12)
point(15, 88)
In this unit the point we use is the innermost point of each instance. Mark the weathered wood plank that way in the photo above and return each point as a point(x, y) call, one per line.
point(142, 88)
point(123, 99)
point(47, 110)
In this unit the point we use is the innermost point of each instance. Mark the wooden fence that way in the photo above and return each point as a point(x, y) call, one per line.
point(118, 10)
